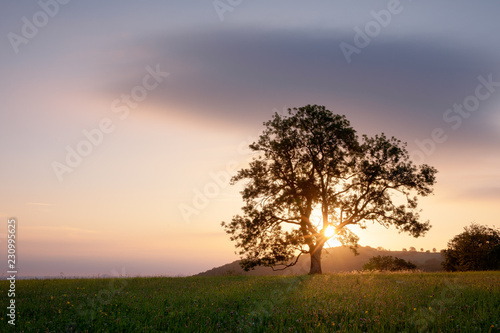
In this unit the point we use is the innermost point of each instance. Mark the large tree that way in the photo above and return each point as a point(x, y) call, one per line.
point(311, 163)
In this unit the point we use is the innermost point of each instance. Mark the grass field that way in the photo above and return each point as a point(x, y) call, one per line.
point(375, 302)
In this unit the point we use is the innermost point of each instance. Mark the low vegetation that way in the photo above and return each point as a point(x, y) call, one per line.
point(363, 302)
point(388, 263)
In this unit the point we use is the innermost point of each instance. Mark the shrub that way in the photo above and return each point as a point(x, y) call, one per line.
point(388, 263)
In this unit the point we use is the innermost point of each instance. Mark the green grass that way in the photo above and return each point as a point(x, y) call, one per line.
point(374, 302)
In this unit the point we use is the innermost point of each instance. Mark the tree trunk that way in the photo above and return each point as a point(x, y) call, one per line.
point(316, 260)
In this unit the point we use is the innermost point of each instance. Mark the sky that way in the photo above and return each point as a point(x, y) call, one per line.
point(122, 121)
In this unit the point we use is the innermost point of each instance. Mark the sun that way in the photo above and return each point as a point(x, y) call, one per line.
point(332, 241)
point(329, 231)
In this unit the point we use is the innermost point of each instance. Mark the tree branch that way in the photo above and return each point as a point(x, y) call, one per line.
point(286, 266)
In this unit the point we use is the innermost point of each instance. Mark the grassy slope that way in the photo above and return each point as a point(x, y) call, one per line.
point(450, 302)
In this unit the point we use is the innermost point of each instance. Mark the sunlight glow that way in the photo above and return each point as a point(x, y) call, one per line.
point(329, 231)
point(333, 242)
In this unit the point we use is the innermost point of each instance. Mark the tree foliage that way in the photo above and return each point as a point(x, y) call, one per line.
point(477, 248)
point(388, 263)
point(313, 172)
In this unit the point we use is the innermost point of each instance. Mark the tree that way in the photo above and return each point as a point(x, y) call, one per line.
point(434, 250)
point(413, 249)
point(312, 179)
point(477, 248)
point(404, 249)
point(388, 263)
point(421, 249)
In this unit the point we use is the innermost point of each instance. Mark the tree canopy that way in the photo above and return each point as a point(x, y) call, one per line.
point(477, 248)
point(311, 162)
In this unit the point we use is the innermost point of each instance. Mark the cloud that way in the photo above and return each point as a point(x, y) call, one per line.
point(491, 193)
point(39, 204)
point(61, 229)
point(238, 76)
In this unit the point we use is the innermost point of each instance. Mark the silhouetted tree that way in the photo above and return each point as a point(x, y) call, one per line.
point(434, 250)
point(477, 248)
point(404, 249)
point(413, 249)
point(311, 161)
point(388, 263)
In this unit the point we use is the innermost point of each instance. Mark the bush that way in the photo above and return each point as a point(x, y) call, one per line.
point(388, 263)
point(475, 249)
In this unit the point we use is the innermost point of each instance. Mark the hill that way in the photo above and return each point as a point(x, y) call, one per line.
point(335, 260)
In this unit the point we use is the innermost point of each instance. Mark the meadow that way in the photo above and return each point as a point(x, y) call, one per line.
point(362, 302)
